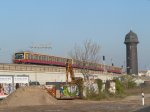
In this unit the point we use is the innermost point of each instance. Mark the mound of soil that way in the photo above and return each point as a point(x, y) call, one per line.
point(29, 96)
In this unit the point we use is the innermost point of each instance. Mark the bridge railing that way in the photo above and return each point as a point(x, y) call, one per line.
point(40, 68)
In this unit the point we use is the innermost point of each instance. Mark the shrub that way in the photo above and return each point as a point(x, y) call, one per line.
point(79, 82)
point(99, 84)
point(119, 87)
point(128, 81)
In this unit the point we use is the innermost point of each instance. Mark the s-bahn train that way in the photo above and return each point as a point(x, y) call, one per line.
point(40, 59)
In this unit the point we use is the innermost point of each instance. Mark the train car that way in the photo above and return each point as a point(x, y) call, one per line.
point(35, 58)
point(96, 67)
point(40, 59)
point(84, 65)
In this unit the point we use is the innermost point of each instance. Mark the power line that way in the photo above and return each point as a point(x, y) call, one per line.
point(41, 46)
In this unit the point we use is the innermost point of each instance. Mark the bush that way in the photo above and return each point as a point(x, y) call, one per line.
point(93, 96)
point(119, 87)
point(128, 81)
point(99, 84)
point(90, 94)
point(79, 82)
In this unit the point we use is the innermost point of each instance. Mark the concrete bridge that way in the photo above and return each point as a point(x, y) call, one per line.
point(44, 74)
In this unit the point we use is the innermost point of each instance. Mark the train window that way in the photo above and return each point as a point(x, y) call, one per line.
point(40, 57)
point(43, 58)
point(19, 55)
point(33, 57)
point(50, 59)
point(46, 57)
point(29, 56)
point(53, 59)
point(64, 60)
point(58, 59)
point(36, 57)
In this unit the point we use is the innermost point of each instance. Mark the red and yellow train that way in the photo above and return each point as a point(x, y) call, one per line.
point(40, 59)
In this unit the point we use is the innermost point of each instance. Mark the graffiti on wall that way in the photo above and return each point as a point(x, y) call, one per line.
point(68, 91)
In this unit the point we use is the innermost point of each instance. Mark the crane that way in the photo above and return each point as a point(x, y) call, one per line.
point(69, 69)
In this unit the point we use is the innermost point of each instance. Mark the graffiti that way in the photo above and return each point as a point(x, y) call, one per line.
point(69, 91)
point(5, 89)
point(10, 83)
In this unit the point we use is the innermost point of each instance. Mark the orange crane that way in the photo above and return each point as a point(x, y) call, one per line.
point(69, 69)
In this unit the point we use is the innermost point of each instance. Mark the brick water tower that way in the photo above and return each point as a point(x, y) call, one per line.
point(131, 41)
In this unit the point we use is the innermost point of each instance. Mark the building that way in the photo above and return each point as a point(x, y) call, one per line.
point(131, 41)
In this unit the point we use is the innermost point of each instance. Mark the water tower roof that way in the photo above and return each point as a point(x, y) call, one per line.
point(131, 37)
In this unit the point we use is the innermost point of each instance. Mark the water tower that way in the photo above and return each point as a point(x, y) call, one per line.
point(131, 41)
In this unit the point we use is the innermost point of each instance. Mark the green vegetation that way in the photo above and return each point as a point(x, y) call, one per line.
point(99, 84)
point(119, 87)
point(123, 85)
point(79, 82)
point(128, 81)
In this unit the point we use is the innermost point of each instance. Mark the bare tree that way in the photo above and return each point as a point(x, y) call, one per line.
point(85, 54)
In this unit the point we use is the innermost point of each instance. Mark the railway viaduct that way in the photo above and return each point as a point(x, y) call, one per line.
point(47, 73)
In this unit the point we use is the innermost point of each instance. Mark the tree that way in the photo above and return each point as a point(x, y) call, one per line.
point(87, 53)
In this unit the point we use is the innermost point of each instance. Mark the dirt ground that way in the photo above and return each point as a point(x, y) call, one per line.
point(35, 99)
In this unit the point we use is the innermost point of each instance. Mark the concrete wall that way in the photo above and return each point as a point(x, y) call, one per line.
point(43, 77)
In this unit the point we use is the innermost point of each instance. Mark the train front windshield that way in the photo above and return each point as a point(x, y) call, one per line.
point(19, 56)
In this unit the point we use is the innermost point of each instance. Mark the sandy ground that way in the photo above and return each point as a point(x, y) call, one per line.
point(35, 99)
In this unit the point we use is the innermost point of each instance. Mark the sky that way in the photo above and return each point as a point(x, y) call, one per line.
point(63, 23)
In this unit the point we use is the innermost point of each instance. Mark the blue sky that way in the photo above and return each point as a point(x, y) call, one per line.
point(64, 23)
